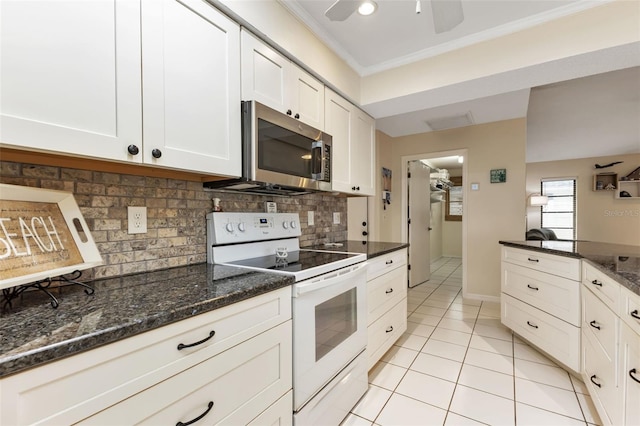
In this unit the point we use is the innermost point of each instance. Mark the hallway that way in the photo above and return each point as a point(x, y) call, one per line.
point(458, 365)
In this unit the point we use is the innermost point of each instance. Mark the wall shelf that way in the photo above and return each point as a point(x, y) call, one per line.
point(630, 186)
point(605, 182)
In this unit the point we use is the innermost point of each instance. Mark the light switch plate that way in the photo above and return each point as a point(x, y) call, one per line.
point(137, 220)
point(311, 218)
point(336, 218)
point(475, 186)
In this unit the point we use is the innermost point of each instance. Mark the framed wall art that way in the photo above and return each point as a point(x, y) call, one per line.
point(498, 175)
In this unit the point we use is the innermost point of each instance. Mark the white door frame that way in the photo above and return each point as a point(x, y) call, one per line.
point(404, 203)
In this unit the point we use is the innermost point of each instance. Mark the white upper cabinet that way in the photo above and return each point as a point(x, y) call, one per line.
point(78, 77)
point(70, 77)
point(191, 87)
point(353, 156)
point(273, 80)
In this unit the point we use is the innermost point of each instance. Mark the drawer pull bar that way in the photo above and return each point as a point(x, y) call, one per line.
point(532, 288)
point(635, 314)
point(592, 378)
point(531, 325)
point(390, 329)
point(389, 291)
point(183, 346)
point(632, 373)
point(594, 324)
point(389, 262)
point(596, 282)
point(533, 260)
point(190, 422)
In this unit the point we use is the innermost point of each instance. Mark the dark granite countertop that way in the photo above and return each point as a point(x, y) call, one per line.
point(33, 333)
point(370, 248)
point(620, 262)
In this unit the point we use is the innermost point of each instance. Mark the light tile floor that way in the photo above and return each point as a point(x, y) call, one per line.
point(458, 365)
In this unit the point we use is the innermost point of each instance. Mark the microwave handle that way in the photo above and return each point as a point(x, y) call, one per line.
point(318, 159)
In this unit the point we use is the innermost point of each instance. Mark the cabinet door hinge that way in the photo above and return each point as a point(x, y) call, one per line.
point(408, 267)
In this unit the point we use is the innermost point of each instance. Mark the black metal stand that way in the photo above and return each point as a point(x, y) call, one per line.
point(10, 294)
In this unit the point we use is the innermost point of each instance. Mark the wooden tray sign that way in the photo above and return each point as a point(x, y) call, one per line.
point(42, 235)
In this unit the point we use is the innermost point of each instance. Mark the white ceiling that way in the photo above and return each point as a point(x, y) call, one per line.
point(395, 35)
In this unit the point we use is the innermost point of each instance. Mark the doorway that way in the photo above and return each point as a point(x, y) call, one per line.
point(446, 236)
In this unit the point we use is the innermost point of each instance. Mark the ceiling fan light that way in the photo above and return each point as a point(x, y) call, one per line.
point(367, 7)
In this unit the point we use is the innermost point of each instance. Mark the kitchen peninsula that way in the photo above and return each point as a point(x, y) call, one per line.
point(579, 302)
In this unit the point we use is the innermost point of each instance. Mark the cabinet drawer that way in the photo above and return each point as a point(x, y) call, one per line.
point(559, 339)
point(240, 382)
point(384, 332)
point(566, 267)
point(601, 323)
point(607, 289)
point(385, 291)
point(630, 309)
point(382, 264)
point(74, 388)
point(599, 375)
point(630, 374)
point(555, 295)
point(280, 413)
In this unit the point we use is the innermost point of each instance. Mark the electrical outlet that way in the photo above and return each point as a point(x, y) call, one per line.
point(137, 219)
point(336, 218)
point(310, 218)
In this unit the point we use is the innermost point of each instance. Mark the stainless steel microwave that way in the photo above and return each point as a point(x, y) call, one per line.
point(281, 155)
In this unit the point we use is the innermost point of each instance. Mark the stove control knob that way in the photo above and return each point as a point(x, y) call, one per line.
point(293, 224)
point(229, 227)
point(241, 227)
point(285, 225)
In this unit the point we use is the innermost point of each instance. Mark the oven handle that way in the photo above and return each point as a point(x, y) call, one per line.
point(328, 279)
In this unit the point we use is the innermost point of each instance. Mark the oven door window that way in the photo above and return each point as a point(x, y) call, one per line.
point(283, 151)
point(336, 320)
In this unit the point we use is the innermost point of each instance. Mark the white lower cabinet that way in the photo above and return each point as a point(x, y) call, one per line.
point(600, 358)
point(611, 348)
point(540, 301)
point(231, 388)
point(630, 374)
point(243, 349)
point(386, 303)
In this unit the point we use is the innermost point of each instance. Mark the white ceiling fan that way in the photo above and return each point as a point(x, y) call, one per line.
point(446, 13)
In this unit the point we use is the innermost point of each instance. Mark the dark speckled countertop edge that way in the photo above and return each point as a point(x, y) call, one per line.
point(599, 260)
point(16, 361)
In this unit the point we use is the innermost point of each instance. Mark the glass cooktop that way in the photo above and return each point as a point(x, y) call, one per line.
point(303, 261)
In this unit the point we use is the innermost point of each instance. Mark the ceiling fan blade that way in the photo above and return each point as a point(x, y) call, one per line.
point(341, 10)
point(446, 14)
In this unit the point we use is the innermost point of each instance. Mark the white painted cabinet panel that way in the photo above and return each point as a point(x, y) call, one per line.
point(265, 73)
point(70, 77)
point(191, 92)
point(273, 80)
point(231, 388)
point(386, 303)
point(353, 155)
point(307, 98)
point(630, 374)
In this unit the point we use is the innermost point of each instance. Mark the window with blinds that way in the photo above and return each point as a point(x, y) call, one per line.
point(559, 214)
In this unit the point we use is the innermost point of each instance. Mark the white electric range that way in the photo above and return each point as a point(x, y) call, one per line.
point(328, 306)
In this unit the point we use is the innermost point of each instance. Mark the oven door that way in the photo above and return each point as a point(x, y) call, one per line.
point(329, 328)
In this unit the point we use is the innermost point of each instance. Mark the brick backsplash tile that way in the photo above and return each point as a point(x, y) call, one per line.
point(176, 211)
